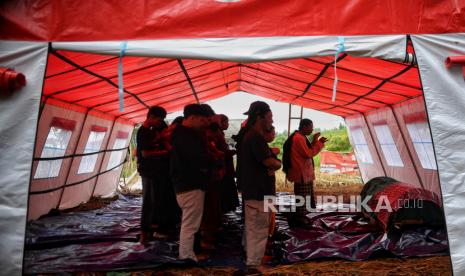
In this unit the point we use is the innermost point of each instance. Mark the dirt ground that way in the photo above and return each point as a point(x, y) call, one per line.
point(379, 267)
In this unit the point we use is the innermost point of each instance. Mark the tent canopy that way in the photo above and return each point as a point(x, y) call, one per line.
point(91, 81)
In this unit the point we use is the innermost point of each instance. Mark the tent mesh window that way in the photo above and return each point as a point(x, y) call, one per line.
point(388, 146)
point(93, 144)
point(421, 139)
point(55, 146)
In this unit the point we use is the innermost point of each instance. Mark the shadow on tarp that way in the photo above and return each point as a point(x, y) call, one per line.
point(106, 240)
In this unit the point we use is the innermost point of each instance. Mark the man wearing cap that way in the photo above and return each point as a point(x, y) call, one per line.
point(190, 165)
point(255, 180)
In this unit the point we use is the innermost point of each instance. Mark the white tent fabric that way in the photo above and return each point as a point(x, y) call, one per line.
point(19, 114)
point(254, 49)
point(444, 91)
point(444, 94)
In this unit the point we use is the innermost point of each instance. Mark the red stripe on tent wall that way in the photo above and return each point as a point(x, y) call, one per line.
point(63, 123)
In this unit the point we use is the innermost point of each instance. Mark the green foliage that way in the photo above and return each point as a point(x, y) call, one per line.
point(338, 140)
point(131, 165)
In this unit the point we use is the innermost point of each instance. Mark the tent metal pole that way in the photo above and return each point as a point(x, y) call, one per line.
point(288, 133)
point(374, 144)
point(183, 68)
point(103, 157)
point(290, 118)
point(289, 121)
point(408, 149)
point(72, 160)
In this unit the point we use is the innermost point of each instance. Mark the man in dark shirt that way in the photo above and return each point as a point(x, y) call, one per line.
point(190, 172)
point(256, 162)
point(146, 152)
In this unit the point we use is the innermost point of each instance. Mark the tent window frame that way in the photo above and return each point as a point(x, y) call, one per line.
point(63, 130)
point(362, 151)
point(116, 156)
point(388, 146)
point(94, 144)
point(421, 138)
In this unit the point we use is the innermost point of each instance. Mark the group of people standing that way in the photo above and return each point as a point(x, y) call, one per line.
point(188, 175)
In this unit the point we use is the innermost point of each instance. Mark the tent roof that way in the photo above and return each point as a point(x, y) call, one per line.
point(45, 20)
point(91, 81)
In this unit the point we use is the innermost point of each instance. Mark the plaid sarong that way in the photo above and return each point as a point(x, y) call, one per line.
point(304, 189)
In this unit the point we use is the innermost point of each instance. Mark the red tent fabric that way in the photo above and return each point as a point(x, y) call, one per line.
point(47, 20)
point(91, 81)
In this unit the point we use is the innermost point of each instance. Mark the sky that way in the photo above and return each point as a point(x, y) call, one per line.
point(233, 105)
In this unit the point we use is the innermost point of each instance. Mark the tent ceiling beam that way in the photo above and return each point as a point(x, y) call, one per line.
point(151, 90)
point(375, 88)
point(292, 102)
point(307, 98)
point(97, 75)
point(181, 64)
point(320, 86)
point(75, 69)
point(173, 93)
point(343, 68)
point(176, 92)
point(323, 70)
point(310, 100)
point(141, 83)
point(340, 80)
point(102, 78)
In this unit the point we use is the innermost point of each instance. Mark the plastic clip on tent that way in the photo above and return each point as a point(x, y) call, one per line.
point(456, 60)
point(124, 45)
point(340, 48)
point(11, 80)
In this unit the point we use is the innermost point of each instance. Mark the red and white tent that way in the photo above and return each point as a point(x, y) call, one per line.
point(62, 134)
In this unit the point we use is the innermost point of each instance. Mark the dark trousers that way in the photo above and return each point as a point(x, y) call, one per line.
point(148, 200)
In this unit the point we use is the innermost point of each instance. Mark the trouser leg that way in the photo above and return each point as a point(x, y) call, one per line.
point(257, 223)
point(192, 204)
point(147, 203)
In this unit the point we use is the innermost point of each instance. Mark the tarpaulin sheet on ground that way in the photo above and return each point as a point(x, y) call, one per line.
point(106, 239)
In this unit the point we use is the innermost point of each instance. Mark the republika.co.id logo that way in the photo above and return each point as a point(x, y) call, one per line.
point(333, 203)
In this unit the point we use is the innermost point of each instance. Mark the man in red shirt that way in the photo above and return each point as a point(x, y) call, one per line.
point(301, 170)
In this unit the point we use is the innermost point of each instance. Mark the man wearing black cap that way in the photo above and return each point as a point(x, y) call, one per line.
point(255, 180)
point(190, 166)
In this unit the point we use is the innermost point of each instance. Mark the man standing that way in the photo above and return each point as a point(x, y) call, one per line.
point(254, 166)
point(190, 169)
point(146, 154)
point(301, 167)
